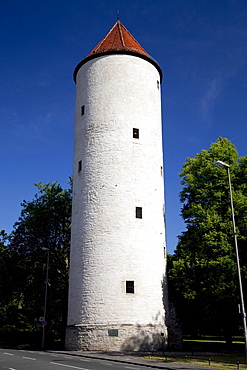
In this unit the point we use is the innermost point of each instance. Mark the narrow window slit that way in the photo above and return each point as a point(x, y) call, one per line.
point(138, 212)
point(79, 166)
point(136, 133)
point(130, 286)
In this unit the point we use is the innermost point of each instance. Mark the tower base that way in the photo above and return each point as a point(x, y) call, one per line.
point(116, 337)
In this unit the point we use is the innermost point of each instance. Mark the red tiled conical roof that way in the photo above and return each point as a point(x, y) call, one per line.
point(118, 41)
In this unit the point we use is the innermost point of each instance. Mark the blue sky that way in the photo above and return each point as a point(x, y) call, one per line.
point(201, 46)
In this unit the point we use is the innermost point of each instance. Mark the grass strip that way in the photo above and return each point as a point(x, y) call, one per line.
point(228, 362)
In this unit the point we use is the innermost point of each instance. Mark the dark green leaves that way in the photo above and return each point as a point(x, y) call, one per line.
point(203, 279)
point(44, 223)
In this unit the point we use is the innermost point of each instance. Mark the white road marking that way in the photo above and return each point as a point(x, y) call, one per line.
point(73, 367)
point(107, 363)
point(11, 368)
point(130, 367)
point(29, 358)
point(84, 359)
point(7, 353)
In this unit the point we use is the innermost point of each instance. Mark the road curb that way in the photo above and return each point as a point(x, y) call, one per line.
point(135, 360)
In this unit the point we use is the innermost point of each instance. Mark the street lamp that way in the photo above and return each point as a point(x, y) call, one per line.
point(221, 164)
point(46, 289)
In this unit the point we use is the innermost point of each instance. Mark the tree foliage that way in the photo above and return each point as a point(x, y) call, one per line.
point(44, 224)
point(203, 282)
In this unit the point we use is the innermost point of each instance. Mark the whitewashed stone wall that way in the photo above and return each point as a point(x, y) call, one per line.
point(128, 338)
point(119, 173)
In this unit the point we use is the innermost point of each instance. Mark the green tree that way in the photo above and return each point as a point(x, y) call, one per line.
point(6, 306)
point(203, 281)
point(44, 224)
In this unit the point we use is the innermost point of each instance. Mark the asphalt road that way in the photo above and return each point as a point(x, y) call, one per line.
point(12, 359)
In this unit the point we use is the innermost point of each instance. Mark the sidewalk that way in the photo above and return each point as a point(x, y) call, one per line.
point(136, 358)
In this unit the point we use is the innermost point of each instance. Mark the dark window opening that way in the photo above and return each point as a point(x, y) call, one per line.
point(161, 170)
point(113, 332)
point(138, 212)
point(130, 287)
point(82, 110)
point(79, 166)
point(158, 84)
point(136, 133)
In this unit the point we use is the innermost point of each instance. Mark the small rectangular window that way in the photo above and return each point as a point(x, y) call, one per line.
point(136, 133)
point(79, 166)
point(138, 212)
point(130, 286)
point(113, 332)
point(158, 84)
point(82, 110)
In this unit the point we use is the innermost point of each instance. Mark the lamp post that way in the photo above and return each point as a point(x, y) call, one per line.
point(46, 289)
point(221, 164)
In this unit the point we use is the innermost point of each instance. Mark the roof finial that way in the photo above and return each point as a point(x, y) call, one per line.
point(118, 16)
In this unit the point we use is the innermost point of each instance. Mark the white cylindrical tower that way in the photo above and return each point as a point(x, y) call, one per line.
point(117, 263)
